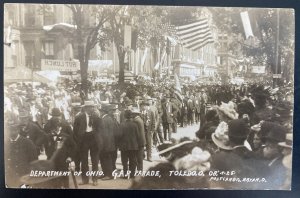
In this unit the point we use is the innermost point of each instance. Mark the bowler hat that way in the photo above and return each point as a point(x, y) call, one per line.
point(238, 129)
point(108, 107)
point(55, 112)
point(277, 134)
point(128, 102)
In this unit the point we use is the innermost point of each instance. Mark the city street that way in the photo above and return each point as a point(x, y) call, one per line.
point(120, 183)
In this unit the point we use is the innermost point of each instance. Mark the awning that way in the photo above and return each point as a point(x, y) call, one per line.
point(60, 26)
point(17, 74)
point(46, 76)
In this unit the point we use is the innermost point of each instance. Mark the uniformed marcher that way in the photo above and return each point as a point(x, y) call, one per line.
point(149, 126)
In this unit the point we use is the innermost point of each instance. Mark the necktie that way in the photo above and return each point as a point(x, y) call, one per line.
point(90, 121)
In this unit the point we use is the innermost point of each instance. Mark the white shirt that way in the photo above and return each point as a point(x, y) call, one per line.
point(88, 128)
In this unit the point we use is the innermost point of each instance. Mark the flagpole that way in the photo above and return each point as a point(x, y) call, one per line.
point(114, 63)
point(275, 80)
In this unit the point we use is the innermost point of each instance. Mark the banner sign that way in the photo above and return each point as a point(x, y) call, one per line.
point(60, 65)
point(99, 65)
point(276, 75)
point(258, 69)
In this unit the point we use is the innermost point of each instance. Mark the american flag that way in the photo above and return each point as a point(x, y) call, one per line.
point(169, 33)
point(195, 35)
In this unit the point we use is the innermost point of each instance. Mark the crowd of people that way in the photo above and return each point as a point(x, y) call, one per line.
point(242, 128)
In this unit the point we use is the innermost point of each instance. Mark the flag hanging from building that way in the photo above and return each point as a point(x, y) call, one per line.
point(246, 24)
point(169, 32)
point(195, 35)
point(8, 36)
point(177, 88)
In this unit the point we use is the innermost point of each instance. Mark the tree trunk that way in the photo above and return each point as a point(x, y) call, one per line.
point(121, 66)
point(83, 71)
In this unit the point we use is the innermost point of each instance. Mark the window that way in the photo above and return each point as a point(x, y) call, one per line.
point(30, 15)
point(48, 13)
point(48, 49)
point(15, 48)
point(30, 54)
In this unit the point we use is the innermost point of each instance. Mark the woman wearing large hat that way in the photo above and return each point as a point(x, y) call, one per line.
point(234, 153)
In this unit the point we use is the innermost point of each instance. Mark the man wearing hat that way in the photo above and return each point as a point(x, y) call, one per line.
point(149, 125)
point(109, 135)
point(19, 152)
point(54, 128)
point(128, 106)
point(136, 115)
point(273, 169)
point(234, 154)
point(32, 131)
point(169, 111)
point(287, 159)
point(20, 100)
point(130, 143)
point(85, 135)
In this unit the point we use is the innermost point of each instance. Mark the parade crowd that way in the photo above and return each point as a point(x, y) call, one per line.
point(243, 128)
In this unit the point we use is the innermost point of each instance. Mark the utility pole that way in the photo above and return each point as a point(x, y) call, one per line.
point(275, 80)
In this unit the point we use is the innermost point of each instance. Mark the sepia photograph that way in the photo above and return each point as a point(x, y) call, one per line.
point(146, 97)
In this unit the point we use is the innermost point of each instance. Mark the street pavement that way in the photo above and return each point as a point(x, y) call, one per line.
point(119, 182)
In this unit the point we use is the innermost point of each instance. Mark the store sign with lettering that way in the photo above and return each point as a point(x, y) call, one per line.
point(60, 65)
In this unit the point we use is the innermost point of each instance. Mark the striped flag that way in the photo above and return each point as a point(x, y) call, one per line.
point(195, 35)
point(168, 28)
point(177, 88)
point(169, 32)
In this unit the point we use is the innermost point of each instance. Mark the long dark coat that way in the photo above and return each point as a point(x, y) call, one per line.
point(35, 134)
point(18, 156)
point(108, 133)
point(130, 138)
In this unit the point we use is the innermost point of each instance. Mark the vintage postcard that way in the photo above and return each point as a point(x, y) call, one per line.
point(148, 97)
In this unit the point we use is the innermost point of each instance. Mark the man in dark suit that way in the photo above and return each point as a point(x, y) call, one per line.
point(136, 114)
point(197, 103)
point(32, 131)
point(19, 152)
point(85, 135)
point(169, 111)
point(130, 144)
point(108, 134)
point(54, 128)
point(149, 125)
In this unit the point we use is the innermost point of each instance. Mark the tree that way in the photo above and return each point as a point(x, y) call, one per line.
point(146, 20)
point(85, 38)
point(264, 25)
